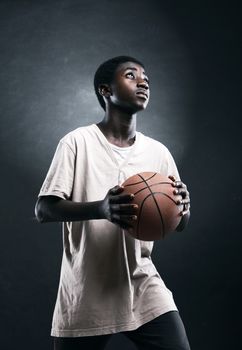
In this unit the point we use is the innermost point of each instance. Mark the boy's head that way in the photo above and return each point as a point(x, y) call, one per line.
point(106, 71)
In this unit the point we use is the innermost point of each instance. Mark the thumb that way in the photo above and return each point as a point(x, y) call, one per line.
point(116, 190)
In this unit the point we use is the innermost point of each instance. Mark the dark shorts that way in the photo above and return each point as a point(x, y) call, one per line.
point(165, 332)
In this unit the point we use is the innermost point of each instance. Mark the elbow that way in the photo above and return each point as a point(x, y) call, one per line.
point(40, 218)
point(40, 212)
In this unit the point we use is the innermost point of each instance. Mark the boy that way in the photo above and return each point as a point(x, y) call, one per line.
point(108, 283)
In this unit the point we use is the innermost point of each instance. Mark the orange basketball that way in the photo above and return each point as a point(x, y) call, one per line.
point(157, 213)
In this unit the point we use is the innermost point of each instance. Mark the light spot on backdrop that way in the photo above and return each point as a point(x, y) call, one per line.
point(49, 83)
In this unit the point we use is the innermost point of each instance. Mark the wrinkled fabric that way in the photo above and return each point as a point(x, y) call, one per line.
point(108, 282)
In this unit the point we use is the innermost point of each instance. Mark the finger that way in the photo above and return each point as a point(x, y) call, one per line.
point(116, 190)
point(182, 191)
point(186, 208)
point(123, 218)
point(179, 184)
point(127, 209)
point(124, 221)
point(172, 177)
point(122, 198)
point(186, 201)
point(184, 195)
point(183, 201)
point(184, 212)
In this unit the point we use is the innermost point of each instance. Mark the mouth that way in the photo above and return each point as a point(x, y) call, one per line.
point(142, 94)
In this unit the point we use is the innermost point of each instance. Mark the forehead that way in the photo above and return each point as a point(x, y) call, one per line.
point(130, 65)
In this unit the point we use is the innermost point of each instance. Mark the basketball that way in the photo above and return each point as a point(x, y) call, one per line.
point(157, 213)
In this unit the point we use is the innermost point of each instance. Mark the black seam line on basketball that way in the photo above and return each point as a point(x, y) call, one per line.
point(166, 196)
point(158, 209)
point(158, 183)
point(147, 186)
point(143, 202)
point(136, 183)
point(162, 221)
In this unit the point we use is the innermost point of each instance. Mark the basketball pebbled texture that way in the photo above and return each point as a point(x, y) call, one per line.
point(157, 213)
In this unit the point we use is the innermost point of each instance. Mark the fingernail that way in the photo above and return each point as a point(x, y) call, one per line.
point(175, 191)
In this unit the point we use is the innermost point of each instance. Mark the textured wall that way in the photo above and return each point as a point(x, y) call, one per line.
point(49, 53)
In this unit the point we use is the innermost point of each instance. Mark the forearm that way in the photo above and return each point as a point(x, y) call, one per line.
point(54, 209)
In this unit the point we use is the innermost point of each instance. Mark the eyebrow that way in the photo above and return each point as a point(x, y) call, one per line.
point(133, 68)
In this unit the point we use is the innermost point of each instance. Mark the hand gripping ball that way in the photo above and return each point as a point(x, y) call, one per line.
point(157, 213)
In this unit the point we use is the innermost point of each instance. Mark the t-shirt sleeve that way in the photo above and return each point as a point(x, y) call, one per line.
point(60, 176)
point(171, 165)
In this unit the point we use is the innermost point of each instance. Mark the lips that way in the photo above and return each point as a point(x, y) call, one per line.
point(142, 93)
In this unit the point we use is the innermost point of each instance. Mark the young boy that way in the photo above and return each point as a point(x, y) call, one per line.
point(108, 283)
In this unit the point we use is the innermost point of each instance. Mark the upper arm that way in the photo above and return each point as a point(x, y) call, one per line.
point(60, 176)
point(171, 165)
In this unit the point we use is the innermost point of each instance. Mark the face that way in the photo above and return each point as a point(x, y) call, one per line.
point(130, 88)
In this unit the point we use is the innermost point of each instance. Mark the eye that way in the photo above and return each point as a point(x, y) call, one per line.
point(130, 75)
point(147, 80)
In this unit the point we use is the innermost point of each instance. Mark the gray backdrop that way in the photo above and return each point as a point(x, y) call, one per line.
point(49, 53)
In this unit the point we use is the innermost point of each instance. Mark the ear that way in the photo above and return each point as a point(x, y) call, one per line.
point(104, 90)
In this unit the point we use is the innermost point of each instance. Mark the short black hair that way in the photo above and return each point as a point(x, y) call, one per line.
point(105, 73)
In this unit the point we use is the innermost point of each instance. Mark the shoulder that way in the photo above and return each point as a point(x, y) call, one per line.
point(147, 141)
point(78, 137)
point(155, 149)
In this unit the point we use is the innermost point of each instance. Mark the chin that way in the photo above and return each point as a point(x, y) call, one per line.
point(142, 107)
point(136, 107)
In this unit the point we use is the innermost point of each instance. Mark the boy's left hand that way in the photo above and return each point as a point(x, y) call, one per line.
point(181, 189)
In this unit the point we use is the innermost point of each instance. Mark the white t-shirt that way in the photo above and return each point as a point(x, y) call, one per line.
point(121, 153)
point(108, 282)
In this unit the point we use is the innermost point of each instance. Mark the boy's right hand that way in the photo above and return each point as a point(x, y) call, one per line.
point(117, 207)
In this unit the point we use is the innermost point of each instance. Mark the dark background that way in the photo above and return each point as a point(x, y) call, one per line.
point(49, 53)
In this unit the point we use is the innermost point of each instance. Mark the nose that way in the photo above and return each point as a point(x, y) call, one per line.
point(143, 84)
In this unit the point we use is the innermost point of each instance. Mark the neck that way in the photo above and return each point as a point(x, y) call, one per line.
point(119, 127)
